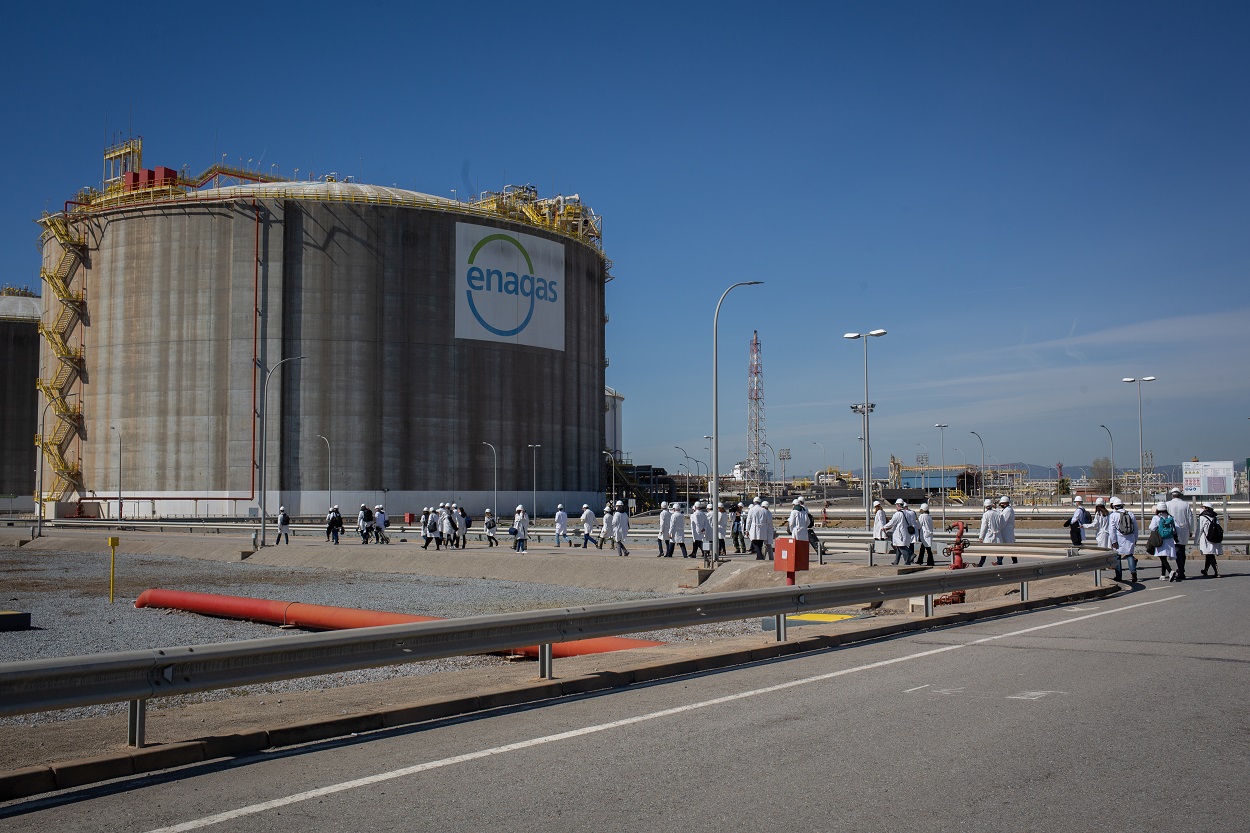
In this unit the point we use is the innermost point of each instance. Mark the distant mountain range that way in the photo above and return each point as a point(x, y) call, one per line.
point(1171, 472)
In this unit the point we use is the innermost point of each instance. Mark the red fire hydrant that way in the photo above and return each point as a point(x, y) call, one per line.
point(956, 549)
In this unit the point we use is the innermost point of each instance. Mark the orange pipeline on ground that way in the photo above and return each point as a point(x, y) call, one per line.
point(327, 617)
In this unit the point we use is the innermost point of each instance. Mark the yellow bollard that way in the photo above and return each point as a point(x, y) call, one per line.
point(113, 544)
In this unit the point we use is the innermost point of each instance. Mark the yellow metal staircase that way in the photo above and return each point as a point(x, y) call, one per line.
point(69, 359)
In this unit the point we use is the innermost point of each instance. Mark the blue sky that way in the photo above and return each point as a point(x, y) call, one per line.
point(1034, 199)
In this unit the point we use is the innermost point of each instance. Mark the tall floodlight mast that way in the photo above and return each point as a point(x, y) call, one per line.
point(755, 414)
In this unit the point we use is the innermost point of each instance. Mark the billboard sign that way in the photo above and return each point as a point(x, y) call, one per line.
point(509, 287)
point(1208, 478)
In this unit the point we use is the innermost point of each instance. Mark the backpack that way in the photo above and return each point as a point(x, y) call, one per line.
point(907, 516)
point(468, 522)
point(367, 515)
point(1215, 532)
point(284, 518)
point(1085, 518)
point(1124, 525)
point(1167, 527)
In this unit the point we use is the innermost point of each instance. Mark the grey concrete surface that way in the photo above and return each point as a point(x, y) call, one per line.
point(1121, 714)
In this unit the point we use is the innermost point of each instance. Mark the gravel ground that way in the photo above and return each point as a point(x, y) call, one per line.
point(67, 597)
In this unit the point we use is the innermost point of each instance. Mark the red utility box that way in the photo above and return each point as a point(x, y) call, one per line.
point(409, 518)
point(130, 180)
point(166, 176)
point(147, 177)
point(790, 555)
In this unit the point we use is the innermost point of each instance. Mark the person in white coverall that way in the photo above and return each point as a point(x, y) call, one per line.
point(588, 524)
point(1183, 516)
point(700, 530)
point(990, 531)
point(924, 527)
point(1124, 542)
point(661, 533)
point(901, 530)
point(755, 528)
point(562, 525)
point(620, 528)
point(1006, 526)
point(770, 529)
point(676, 530)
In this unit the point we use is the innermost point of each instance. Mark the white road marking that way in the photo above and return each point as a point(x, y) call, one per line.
point(950, 692)
point(1032, 695)
point(917, 688)
point(331, 789)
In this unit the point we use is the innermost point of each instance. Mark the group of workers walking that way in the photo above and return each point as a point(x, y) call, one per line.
point(904, 529)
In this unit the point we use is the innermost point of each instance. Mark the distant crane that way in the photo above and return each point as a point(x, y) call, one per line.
point(755, 413)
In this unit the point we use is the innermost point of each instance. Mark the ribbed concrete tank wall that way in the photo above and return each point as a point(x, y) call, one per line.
point(19, 413)
point(182, 293)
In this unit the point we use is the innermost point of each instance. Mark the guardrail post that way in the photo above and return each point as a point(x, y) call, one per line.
point(546, 664)
point(1024, 591)
point(872, 552)
point(928, 605)
point(1098, 578)
point(135, 723)
point(780, 620)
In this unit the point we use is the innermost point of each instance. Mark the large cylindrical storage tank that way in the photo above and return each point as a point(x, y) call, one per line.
point(428, 329)
point(19, 401)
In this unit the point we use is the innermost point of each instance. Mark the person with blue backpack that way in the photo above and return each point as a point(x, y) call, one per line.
point(1079, 520)
point(1163, 527)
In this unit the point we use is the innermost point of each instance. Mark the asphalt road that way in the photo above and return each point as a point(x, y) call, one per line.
point(1122, 715)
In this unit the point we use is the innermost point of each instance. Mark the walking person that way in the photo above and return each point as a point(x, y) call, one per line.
point(1101, 525)
point(676, 530)
point(700, 531)
point(1186, 526)
point(620, 528)
point(924, 523)
point(380, 523)
point(1122, 537)
point(588, 524)
point(334, 524)
point(878, 524)
point(902, 532)
point(770, 529)
point(661, 535)
point(453, 524)
point(1006, 527)
point(425, 527)
point(435, 528)
point(1210, 539)
point(465, 525)
point(489, 523)
point(754, 523)
point(521, 523)
point(284, 527)
point(990, 531)
point(740, 544)
point(605, 531)
point(1076, 524)
point(364, 523)
point(800, 521)
point(562, 525)
point(721, 520)
point(1164, 544)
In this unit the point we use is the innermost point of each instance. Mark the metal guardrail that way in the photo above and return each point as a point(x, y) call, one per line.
point(136, 676)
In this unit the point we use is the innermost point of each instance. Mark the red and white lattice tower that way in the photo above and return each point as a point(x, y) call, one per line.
point(755, 413)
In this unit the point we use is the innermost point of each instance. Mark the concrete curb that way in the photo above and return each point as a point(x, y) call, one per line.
point(30, 781)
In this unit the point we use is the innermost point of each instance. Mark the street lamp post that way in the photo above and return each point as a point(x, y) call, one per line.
point(329, 491)
point(867, 437)
point(1141, 454)
point(942, 426)
point(264, 387)
point(534, 466)
point(494, 503)
point(1108, 430)
point(120, 513)
point(824, 468)
point(715, 393)
point(924, 473)
point(982, 472)
point(686, 466)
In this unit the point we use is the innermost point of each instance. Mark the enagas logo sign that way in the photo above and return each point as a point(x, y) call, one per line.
point(509, 287)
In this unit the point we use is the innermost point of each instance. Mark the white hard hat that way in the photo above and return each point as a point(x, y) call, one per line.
point(281, 508)
point(487, 512)
point(1115, 501)
point(755, 499)
point(362, 506)
point(336, 506)
point(620, 503)
point(559, 505)
point(1004, 499)
point(585, 505)
point(740, 506)
point(876, 503)
point(987, 503)
point(1078, 499)
point(924, 507)
point(519, 508)
point(900, 502)
point(1207, 506)
point(1161, 507)
point(664, 504)
point(796, 501)
point(1175, 491)
point(453, 506)
point(1099, 502)
point(720, 506)
point(764, 504)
